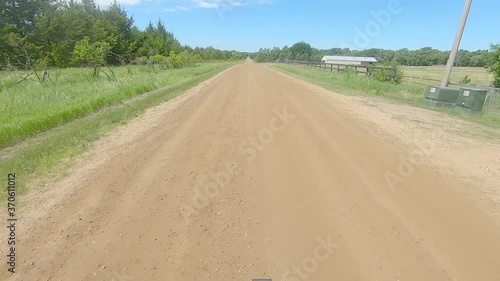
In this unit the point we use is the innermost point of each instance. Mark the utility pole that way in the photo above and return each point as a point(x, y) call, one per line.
point(456, 45)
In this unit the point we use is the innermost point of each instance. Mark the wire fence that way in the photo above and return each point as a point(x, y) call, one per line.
point(492, 105)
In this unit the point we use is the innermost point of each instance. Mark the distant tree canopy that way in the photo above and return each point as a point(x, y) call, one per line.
point(301, 50)
point(47, 32)
point(422, 57)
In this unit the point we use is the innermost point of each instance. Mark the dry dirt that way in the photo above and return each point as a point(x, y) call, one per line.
point(254, 174)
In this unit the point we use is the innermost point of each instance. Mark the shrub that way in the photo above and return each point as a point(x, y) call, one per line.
point(91, 54)
point(158, 59)
point(465, 80)
point(141, 61)
point(494, 64)
point(391, 73)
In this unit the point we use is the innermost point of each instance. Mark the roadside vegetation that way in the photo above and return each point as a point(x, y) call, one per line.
point(29, 108)
point(62, 60)
point(70, 71)
point(41, 35)
point(351, 84)
point(42, 154)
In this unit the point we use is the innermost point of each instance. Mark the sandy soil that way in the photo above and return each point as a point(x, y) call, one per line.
point(254, 174)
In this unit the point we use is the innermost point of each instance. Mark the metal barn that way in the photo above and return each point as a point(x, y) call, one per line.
point(362, 61)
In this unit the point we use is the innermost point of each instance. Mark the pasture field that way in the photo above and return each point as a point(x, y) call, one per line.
point(29, 107)
point(478, 75)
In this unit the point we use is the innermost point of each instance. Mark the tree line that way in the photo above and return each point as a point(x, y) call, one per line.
point(62, 33)
point(54, 33)
point(422, 57)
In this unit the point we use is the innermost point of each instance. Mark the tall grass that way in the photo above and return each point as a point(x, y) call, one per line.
point(29, 107)
point(40, 155)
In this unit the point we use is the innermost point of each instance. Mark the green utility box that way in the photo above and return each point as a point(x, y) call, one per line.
point(441, 97)
point(472, 100)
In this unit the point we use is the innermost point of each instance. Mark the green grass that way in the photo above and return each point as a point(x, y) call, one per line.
point(478, 75)
point(29, 108)
point(40, 155)
point(353, 84)
point(408, 93)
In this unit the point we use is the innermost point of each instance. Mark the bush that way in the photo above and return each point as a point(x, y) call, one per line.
point(172, 61)
point(388, 74)
point(496, 82)
point(91, 54)
point(158, 59)
point(141, 61)
point(260, 58)
point(176, 60)
point(465, 80)
point(494, 64)
point(189, 59)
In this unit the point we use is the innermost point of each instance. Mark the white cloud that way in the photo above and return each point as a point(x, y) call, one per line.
point(104, 3)
point(218, 4)
point(176, 9)
point(186, 5)
point(206, 4)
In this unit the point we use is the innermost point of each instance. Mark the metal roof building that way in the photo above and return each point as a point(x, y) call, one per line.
point(348, 60)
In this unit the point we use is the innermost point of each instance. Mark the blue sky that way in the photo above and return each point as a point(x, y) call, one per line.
point(247, 25)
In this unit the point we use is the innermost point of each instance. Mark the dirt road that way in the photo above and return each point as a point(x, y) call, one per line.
point(254, 175)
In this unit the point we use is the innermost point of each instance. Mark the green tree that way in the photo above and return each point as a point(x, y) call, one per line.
point(91, 54)
point(114, 27)
point(236, 56)
point(301, 49)
point(494, 65)
point(18, 20)
point(156, 40)
point(260, 57)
